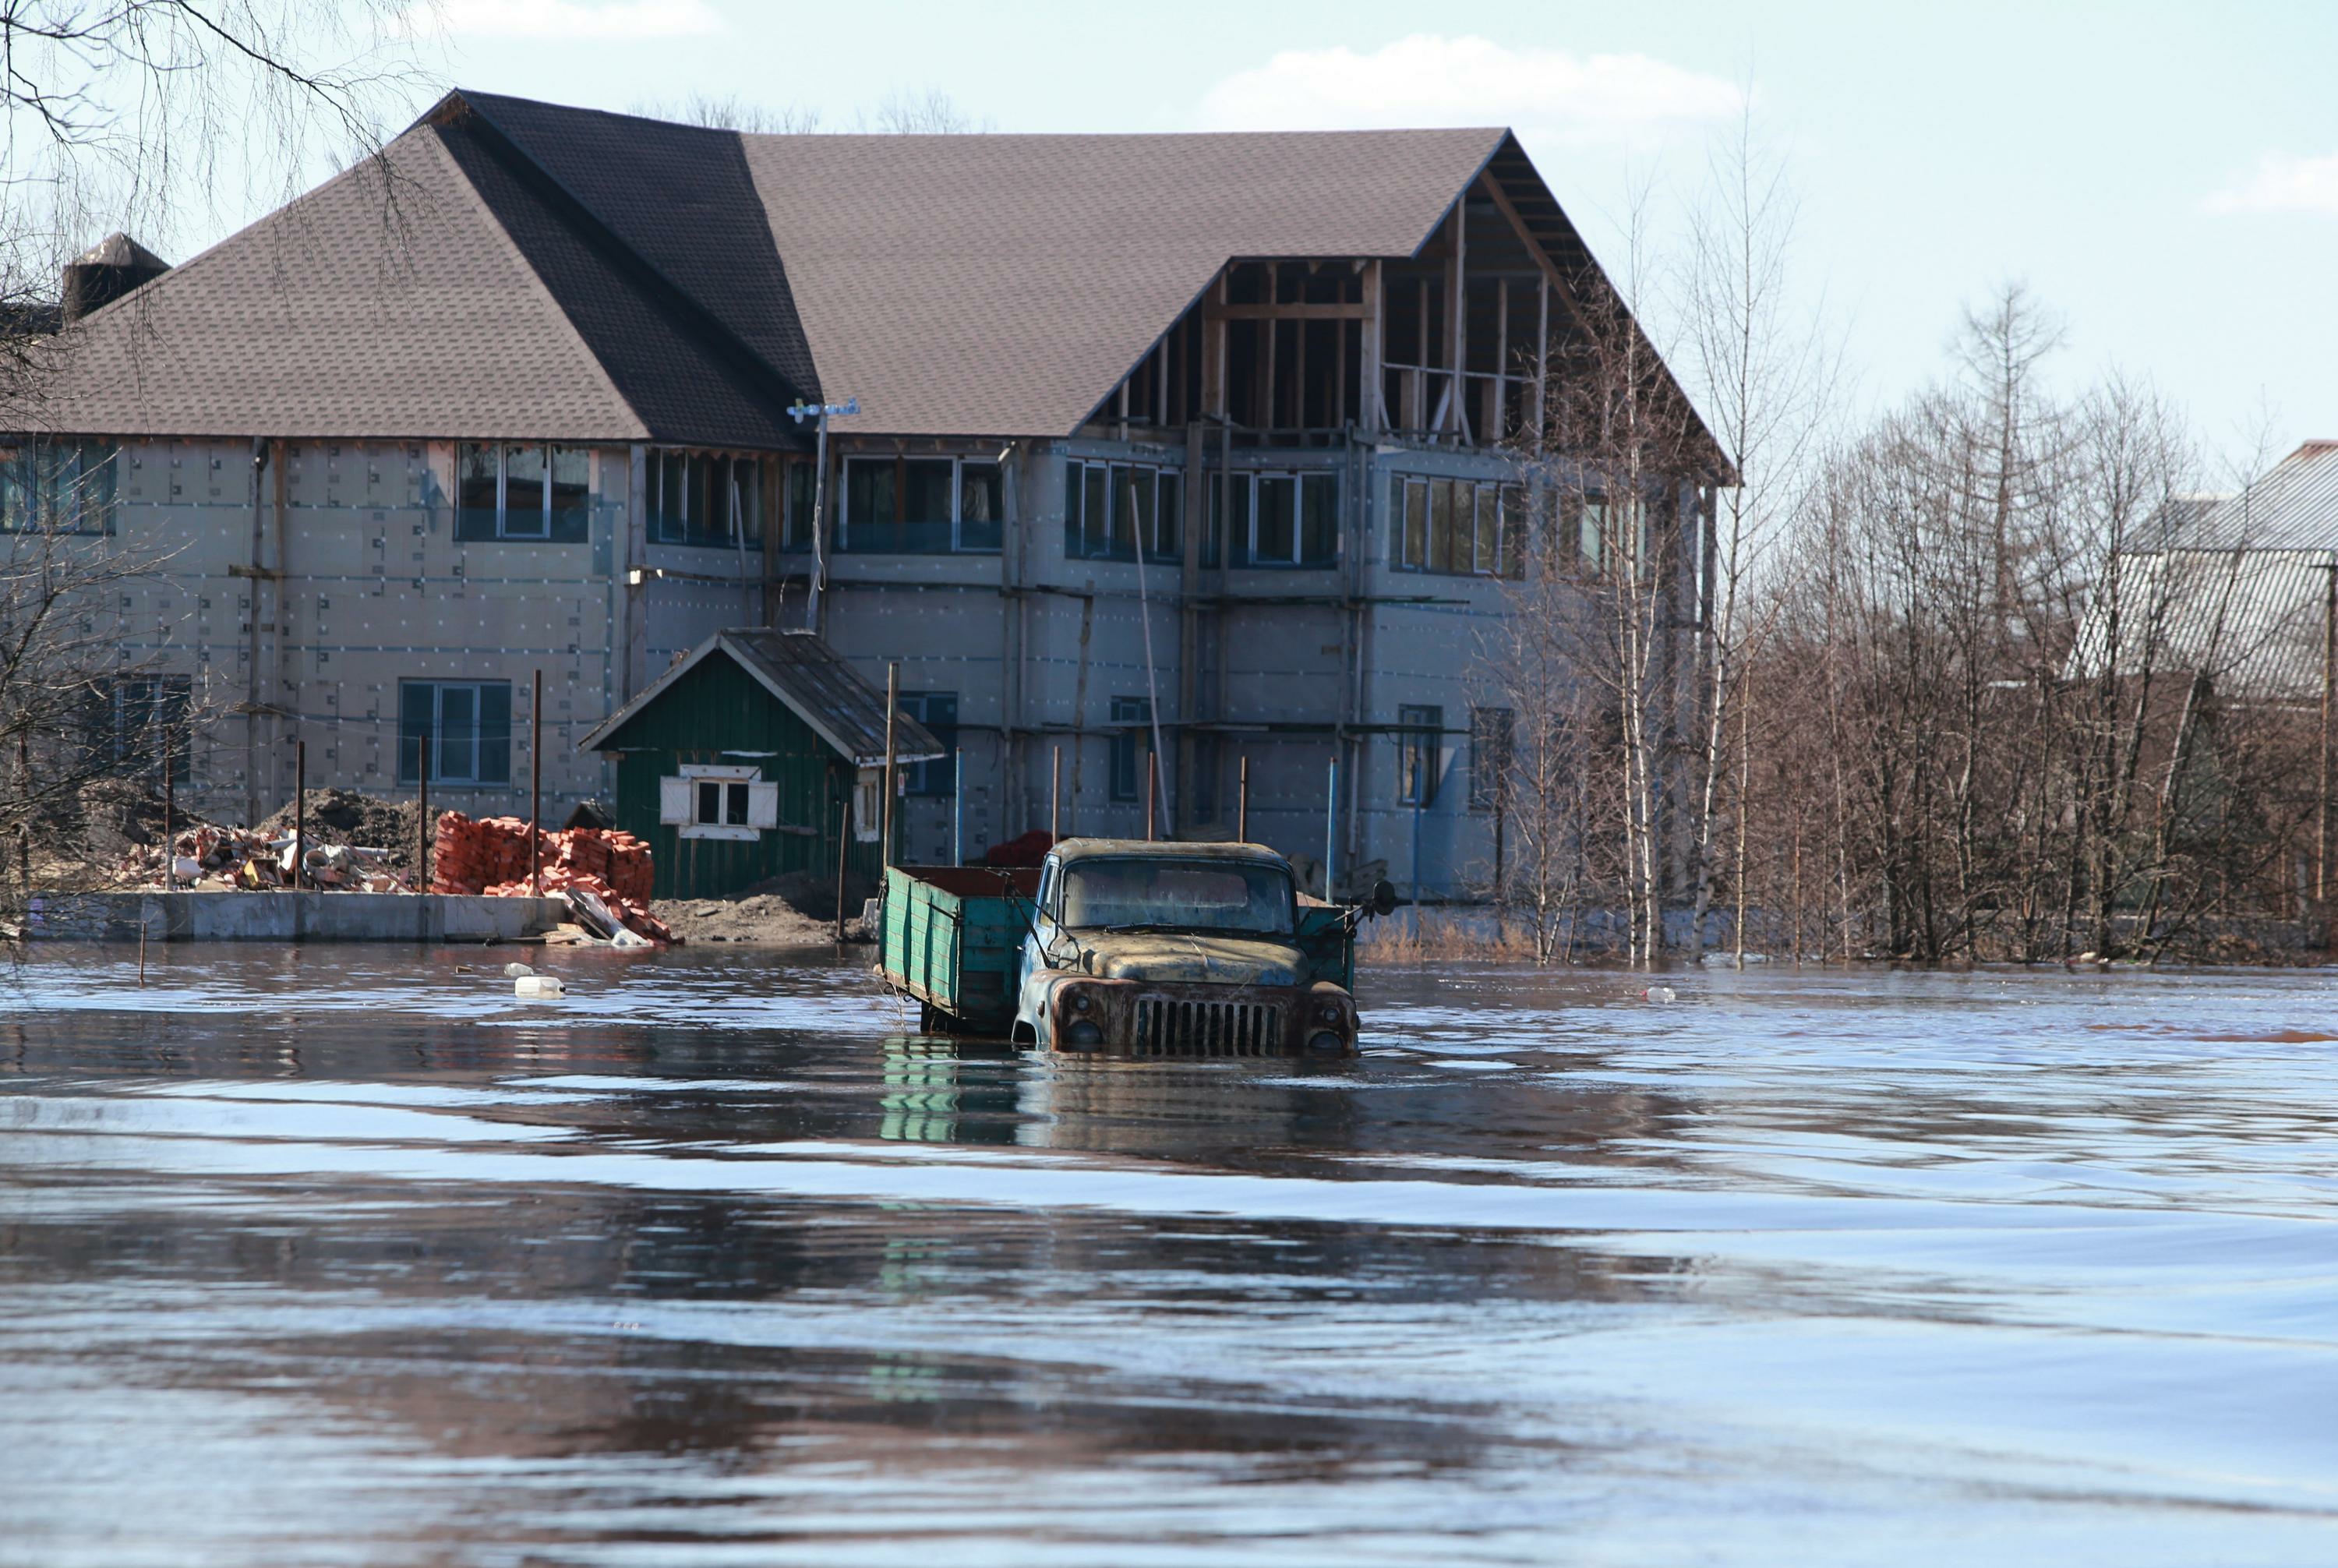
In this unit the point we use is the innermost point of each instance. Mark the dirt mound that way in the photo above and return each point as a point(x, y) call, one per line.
point(794, 910)
point(347, 817)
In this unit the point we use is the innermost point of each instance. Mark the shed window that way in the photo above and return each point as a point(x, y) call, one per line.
point(718, 800)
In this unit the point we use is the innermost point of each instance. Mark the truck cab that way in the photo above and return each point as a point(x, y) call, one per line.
point(1144, 949)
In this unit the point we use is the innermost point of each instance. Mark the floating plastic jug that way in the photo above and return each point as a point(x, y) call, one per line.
point(537, 986)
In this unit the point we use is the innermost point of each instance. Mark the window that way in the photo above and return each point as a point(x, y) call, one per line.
point(711, 498)
point(920, 505)
point(1134, 740)
point(718, 800)
point(57, 486)
point(1418, 754)
point(1200, 895)
point(1489, 756)
point(513, 491)
point(1460, 527)
point(138, 721)
point(1279, 520)
point(938, 711)
point(468, 725)
point(1107, 508)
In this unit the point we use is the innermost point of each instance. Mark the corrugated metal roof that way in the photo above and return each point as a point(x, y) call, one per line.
point(2294, 507)
point(2253, 621)
point(812, 679)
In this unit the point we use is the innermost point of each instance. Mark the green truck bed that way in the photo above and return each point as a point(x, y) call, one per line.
point(950, 937)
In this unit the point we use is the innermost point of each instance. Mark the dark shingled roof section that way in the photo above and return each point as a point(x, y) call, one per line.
point(682, 372)
point(681, 198)
point(812, 678)
point(323, 320)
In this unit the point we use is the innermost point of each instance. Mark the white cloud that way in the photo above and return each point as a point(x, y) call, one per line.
point(2281, 182)
point(1432, 80)
point(567, 18)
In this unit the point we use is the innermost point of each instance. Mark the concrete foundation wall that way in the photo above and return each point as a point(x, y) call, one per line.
point(290, 916)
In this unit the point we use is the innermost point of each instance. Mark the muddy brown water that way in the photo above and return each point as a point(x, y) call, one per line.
point(344, 1256)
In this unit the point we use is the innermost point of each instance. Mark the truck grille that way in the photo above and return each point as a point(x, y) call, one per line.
point(1165, 1027)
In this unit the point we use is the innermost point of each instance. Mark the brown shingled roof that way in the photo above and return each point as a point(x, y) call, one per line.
point(564, 273)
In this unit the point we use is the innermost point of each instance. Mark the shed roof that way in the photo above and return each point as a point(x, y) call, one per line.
point(810, 679)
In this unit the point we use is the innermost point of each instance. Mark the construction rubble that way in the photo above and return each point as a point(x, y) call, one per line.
point(208, 858)
point(604, 873)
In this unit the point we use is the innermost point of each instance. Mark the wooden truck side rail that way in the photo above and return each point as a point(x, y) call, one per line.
point(951, 935)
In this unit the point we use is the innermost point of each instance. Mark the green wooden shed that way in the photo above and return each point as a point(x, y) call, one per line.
point(735, 764)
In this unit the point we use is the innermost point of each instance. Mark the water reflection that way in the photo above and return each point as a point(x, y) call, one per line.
point(716, 1262)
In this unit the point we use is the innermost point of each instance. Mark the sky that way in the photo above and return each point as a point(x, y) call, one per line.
point(2163, 176)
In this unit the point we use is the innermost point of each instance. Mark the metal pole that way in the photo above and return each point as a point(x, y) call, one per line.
point(843, 853)
point(2329, 689)
point(884, 819)
point(1415, 862)
point(1241, 805)
point(1148, 794)
point(170, 813)
point(1056, 800)
point(422, 822)
point(535, 787)
point(299, 809)
point(957, 807)
point(819, 520)
point(1330, 827)
point(1501, 812)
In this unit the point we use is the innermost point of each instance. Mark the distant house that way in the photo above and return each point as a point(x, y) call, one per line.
point(2241, 590)
point(1204, 438)
point(736, 764)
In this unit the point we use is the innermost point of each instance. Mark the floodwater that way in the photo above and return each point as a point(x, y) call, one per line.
point(344, 1256)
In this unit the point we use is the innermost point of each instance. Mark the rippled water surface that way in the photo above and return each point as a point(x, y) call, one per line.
point(345, 1255)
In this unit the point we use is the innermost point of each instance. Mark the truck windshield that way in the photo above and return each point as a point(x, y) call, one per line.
point(1206, 895)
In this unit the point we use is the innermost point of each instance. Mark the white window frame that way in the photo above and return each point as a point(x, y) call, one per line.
point(678, 797)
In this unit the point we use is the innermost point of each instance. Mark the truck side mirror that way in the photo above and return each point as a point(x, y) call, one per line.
point(1383, 898)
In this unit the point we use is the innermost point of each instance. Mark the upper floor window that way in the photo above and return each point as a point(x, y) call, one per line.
point(706, 498)
point(1460, 526)
point(57, 487)
point(510, 490)
point(1598, 535)
point(903, 506)
point(1274, 519)
point(1109, 506)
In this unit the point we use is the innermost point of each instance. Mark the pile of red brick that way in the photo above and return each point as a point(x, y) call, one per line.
point(489, 854)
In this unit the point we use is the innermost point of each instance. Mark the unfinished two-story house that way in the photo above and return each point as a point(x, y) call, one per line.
point(1176, 457)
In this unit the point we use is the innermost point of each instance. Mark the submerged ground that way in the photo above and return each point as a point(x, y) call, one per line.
point(345, 1255)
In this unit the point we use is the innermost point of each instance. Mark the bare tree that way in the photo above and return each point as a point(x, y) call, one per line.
point(1765, 373)
point(732, 112)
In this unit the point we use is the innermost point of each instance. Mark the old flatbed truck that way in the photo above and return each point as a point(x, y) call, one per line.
point(1126, 947)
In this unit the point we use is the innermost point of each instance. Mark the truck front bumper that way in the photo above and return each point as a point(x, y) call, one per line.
point(1135, 1019)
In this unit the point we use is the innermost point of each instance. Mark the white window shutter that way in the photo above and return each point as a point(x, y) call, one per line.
point(674, 801)
point(762, 805)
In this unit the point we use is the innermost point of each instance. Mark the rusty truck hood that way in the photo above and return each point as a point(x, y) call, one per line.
point(1180, 957)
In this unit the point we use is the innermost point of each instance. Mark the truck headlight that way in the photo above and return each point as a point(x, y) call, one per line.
point(1084, 1033)
point(1328, 1012)
point(1324, 1043)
